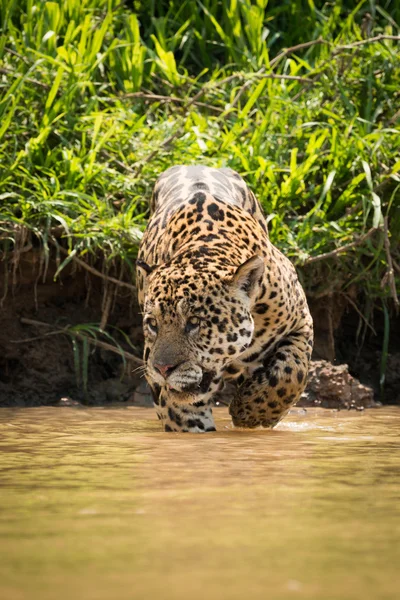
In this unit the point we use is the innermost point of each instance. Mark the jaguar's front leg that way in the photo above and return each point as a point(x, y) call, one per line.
point(276, 384)
point(194, 417)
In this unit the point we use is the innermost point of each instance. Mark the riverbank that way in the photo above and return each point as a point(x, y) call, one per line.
point(79, 338)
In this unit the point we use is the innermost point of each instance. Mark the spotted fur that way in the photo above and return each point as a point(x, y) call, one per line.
point(220, 303)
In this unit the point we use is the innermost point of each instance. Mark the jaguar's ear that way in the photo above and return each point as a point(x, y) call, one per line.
point(144, 267)
point(248, 276)
point(143, 271)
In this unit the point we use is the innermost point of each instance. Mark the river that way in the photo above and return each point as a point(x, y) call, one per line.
point(98, 503)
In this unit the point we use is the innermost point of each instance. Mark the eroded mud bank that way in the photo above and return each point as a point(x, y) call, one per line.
point(44, 356)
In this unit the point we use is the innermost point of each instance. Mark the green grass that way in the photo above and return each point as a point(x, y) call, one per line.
point(97, 99)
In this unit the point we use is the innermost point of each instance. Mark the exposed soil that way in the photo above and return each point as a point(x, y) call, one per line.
point(40, 365)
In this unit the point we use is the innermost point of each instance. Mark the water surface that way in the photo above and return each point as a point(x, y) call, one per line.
point(100, 504)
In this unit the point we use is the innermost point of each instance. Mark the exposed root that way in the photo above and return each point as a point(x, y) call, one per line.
point(95, 272)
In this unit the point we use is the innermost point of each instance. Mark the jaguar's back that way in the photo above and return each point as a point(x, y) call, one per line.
point(177, 184)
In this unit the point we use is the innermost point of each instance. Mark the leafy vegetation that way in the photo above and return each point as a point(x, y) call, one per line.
point(98, 97)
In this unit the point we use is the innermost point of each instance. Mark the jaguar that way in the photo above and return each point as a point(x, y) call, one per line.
point(221, 305)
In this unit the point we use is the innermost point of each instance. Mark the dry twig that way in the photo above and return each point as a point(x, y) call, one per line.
point(117, 161)
point(7, 71)
point(170, 99)
point(95, 272)
point(292, 49)
point(288, 77)
point(358, 311)
point(68, 331)
point(333, 253)
point(17, 54)
point(371, 40)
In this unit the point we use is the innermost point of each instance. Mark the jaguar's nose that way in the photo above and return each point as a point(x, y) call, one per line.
point(165, 370)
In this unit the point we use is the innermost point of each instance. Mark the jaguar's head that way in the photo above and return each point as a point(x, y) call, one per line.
point(195, 322)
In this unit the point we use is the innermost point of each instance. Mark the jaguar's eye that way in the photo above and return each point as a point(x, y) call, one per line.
point(152, 325)
point(192, 323)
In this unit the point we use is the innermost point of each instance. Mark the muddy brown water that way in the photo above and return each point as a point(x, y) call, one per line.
point(100, 504)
